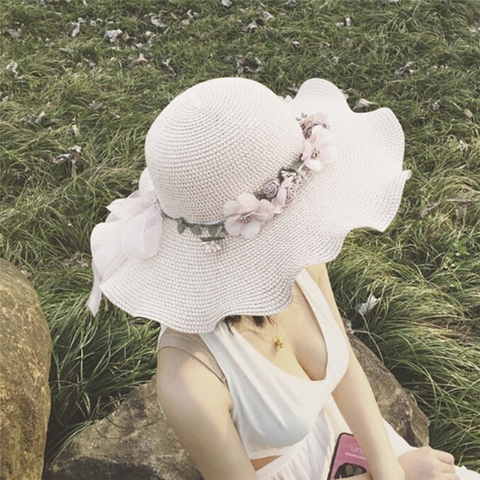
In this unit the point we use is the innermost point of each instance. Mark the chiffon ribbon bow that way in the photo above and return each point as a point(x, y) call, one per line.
point(133, 230)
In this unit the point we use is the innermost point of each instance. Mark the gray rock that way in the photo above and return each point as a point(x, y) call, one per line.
point(396, 405)
point(133, 443)
point(136, 442)
point(25, 352)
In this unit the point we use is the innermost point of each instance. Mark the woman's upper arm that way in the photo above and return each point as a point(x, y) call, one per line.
point(197, 406)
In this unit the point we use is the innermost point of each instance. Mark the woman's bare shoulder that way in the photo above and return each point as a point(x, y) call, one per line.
point(180, 376)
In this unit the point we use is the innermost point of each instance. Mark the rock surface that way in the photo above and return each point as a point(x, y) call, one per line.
point(25, 352)
point(133, 443)
point(396, 405)
point(136, 442)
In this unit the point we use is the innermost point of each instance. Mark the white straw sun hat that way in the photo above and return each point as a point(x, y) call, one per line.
point(243, 189)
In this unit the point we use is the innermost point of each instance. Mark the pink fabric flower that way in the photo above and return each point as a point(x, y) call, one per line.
point(246, 215)
point(270, 189)
point(286, 193)
point(312, 121)
point(319, 149)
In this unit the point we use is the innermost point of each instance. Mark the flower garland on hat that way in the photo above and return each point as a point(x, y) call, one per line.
point(247, 214)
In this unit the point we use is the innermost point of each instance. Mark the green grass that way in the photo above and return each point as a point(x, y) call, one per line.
point(425, 268)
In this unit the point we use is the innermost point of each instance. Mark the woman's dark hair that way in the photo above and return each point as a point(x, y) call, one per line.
point(258, 320)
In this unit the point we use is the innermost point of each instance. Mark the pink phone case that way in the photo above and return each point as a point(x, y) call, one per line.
point(348, 459)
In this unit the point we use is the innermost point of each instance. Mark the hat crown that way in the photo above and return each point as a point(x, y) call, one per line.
point(216, 140)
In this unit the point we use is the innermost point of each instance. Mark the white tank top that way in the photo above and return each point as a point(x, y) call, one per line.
point(273, 410)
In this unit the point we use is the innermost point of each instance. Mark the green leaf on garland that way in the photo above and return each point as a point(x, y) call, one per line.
point(296, 165)
point(212, 230)
point(196, 229)
point(180, 227)
point(215, 230)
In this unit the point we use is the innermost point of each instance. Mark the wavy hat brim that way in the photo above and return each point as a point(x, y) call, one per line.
point(189, 289)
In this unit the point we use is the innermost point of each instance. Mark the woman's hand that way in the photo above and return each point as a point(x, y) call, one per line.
point(428, 464)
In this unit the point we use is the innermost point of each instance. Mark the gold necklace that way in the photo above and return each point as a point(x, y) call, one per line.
point(277, 340)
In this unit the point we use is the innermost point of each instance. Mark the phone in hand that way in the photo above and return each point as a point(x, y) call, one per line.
point(348, 458)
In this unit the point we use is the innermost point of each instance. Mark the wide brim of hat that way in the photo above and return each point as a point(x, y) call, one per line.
point(189, 289)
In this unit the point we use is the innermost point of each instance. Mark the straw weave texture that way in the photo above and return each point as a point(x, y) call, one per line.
point(228, 136)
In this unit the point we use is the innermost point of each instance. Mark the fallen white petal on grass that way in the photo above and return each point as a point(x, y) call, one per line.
point(267, 16)
point(166, 64)
point(407, 68)
point(61, 158)
point(141, 60)
point(73, 29)
point(364, 308)
point(435, 105)
point(248, 64)
point(157, 21)
point(475, 28)
point(12, 67)
point(346, 23)
point(72, 157)
point(74, 127)
point(113, 35)
point(251, 27)
point(14, 32)
point(77, 259)
point(94, 105)
point(364, 103)
point(30, 118)
point(39, 118)
point(296, 44)
point(226, 3)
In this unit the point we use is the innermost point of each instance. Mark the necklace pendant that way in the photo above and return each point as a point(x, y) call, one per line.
point(278, 342)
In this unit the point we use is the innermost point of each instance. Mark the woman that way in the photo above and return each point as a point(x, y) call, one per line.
point(245, 197)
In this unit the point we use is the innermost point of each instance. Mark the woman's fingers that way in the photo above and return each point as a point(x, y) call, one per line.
point(447, 468)
point(444, 457)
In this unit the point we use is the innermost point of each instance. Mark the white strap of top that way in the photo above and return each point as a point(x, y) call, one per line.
point(314, 294)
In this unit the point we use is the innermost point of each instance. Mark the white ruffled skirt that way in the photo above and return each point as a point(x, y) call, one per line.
point(310, 459)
